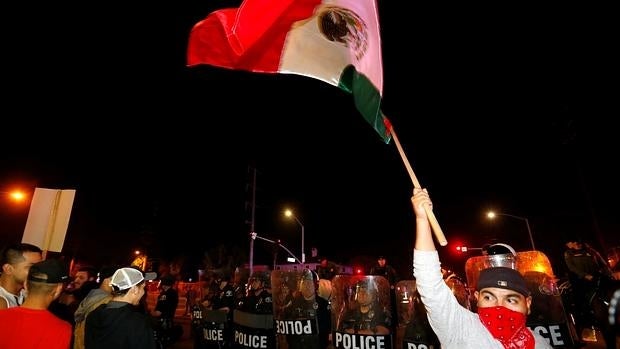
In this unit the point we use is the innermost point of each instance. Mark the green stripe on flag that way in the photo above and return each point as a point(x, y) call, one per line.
point(367, 99)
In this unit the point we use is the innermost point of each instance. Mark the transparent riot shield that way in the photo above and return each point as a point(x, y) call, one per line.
point(413, 331)
point(460, 291)
point(325, 289)
point(361, 312)
point(547, 315)
point(302, 318)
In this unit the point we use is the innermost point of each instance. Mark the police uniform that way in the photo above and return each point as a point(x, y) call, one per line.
point(318, 311)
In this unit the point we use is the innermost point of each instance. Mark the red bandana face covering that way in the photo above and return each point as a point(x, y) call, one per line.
point(507, 326)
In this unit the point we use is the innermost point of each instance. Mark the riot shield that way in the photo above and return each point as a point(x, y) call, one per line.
point(413, 331)
point(252, 325)
point(460, 291)
point(361, 310)
point(547, 315)
point(325, 289)
point(302, 318)
point(211, 328)
point(252, 330)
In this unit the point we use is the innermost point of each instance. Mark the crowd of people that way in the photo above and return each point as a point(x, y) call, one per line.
point(41, 305)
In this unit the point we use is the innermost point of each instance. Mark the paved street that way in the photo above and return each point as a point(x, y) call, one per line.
point(186, 341)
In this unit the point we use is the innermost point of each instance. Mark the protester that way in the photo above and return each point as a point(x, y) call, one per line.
point(96, 297)
point(32, 325)
point(83, 282)
point(119, 324)
point(15, 261)
point(503, 298)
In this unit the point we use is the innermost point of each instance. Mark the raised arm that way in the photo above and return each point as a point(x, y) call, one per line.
point(424, 235)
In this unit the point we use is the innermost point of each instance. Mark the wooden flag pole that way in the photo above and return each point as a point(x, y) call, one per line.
point(429, 213)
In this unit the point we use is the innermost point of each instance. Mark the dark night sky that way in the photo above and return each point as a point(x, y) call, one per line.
point(510, 108)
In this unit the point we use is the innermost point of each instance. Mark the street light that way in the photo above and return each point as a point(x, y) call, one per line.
point(15, 195)
point(289, 213)
point(492, 215)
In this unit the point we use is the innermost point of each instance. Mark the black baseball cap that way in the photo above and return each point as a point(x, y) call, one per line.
point(49, 271)
point(503, 277)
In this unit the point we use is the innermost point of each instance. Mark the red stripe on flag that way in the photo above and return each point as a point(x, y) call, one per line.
point(248, 38)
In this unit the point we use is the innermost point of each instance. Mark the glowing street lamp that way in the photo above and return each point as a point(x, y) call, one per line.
point(289, 213)
point(15, 195)
point(492, 215)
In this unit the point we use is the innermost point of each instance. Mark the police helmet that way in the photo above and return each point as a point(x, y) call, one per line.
point(572, 237)
point(218, 274)
point(367, 284)
point(500, 255)
point(499, 248)
point(263, 276)
point(309, 275)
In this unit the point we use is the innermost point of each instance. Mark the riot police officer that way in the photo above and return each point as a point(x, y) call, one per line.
point(258, 299)
point(311, 308)
point(165, 308)
point(369, 316)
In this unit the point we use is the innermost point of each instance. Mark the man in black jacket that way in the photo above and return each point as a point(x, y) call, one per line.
point(118, 324)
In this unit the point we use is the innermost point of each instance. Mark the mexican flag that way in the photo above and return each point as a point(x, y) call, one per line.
point(336, 41)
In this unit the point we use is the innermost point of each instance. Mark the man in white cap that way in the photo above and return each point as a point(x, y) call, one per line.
point(118, 324)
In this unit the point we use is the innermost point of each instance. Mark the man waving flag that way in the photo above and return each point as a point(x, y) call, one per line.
point(336, 41)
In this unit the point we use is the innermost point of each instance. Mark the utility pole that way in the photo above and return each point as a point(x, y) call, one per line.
point(252, 219)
